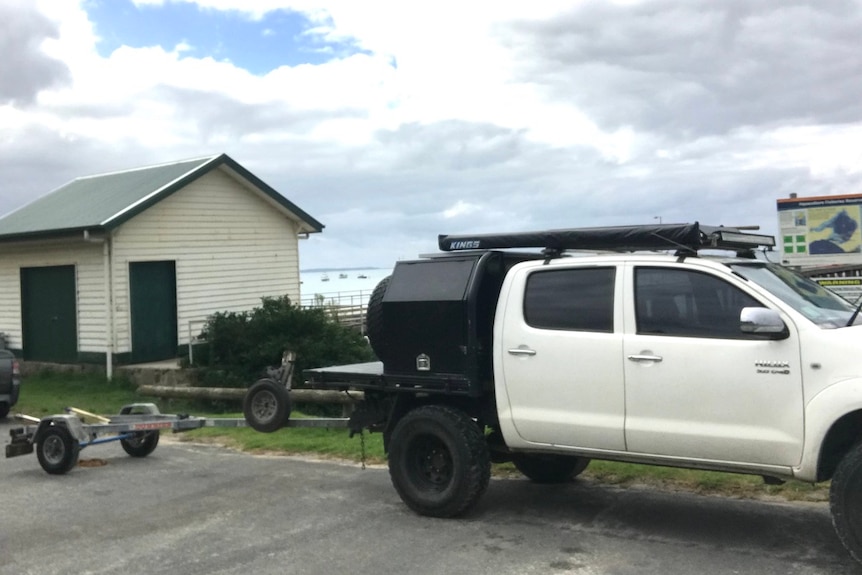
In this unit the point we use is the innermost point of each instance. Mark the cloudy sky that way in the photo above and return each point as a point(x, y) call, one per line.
point(393, 121)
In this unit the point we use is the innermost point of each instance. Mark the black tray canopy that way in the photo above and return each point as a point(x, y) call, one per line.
point(681, 237)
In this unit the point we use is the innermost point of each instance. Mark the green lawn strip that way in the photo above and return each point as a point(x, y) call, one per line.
point(326, 443)
point(49, 393)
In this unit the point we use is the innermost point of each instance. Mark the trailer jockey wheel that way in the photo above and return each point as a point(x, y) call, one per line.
point(56, 449)
point(141, 443)
point(266, 406)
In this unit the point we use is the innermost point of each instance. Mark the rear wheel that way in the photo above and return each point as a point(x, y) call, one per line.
point(439, 461)
point(141, 444)
point(845, 501)
point(57, 450)
point(266, 406)
point(546, 468)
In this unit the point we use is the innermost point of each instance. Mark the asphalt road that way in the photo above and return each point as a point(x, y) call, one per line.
point(197, 509)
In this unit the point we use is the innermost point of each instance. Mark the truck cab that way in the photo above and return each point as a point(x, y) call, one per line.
point(657, 358)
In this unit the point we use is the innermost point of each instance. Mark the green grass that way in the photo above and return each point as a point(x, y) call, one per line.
point(49, 393)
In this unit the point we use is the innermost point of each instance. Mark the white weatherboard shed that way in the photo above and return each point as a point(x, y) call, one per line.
point(125, 267)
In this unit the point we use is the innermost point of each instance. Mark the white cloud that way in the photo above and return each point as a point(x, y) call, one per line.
point(479, 116)
point(461, 208)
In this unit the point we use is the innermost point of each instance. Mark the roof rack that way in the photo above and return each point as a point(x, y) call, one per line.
point(685, 238)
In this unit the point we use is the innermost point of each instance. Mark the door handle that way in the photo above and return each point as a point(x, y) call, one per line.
point(655, 358)
point(522, 351)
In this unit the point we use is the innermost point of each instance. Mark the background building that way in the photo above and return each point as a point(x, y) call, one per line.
point(126, 267)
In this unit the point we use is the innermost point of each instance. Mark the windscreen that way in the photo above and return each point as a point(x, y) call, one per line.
point(821, 306)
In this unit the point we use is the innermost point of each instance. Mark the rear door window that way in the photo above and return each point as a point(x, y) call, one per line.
point(578, 299)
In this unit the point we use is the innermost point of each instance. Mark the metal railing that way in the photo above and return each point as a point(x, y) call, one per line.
point(346, 307)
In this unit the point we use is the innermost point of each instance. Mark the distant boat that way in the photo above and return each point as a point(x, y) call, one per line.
point(324, 278)
point(362, 276)
point(342, 276)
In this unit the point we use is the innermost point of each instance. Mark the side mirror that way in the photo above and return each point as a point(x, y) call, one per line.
point(762, 321)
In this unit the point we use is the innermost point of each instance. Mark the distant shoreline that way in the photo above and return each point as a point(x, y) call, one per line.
point(316, 270)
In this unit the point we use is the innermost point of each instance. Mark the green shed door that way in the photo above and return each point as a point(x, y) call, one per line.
point(49, 317)
point(153, 305)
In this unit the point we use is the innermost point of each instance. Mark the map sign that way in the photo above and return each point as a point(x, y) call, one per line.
point(821, 230)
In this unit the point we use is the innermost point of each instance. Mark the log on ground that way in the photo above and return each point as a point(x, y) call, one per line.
point(233, 393)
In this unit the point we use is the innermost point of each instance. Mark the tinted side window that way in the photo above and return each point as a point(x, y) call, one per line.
point(573, 299)
point(688, 303)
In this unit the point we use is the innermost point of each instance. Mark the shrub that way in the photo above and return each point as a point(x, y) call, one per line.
point(240, 346)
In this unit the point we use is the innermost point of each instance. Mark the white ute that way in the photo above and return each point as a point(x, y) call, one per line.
point(648, 351)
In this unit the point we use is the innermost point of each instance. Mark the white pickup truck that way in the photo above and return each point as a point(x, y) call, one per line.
point(647, 351)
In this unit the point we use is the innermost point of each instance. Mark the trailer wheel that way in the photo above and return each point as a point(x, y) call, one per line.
point(546, 468)
point(57, 450)
point(374, 318)
point(439, 461)
point(141, 443)
point(266, 406)
point(845, 501)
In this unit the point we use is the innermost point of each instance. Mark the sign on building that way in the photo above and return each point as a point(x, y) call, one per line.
point(822, 230)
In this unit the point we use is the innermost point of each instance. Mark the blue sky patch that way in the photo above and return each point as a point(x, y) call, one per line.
point(257, 46)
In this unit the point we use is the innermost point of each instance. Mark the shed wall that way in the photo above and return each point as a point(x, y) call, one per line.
point(87, 259)
point(231, 247)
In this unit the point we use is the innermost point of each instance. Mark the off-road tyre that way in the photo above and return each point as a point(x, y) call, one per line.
point(547, 468)
point(439, 461)
point(56, 449)
point(141, 443)
point(845, 501)
point(374, 319)
point(266, 406)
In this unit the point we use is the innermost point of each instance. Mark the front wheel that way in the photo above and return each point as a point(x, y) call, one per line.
point(57, 450)
point(266, 406)
point(439, 461)
point(546, 468)
point(845, 501)
point(141, 443)
point(4, 409)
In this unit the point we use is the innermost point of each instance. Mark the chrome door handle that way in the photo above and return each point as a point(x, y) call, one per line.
point(655, 358)
point(522, 351)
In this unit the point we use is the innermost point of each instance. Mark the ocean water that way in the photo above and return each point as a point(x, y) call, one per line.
point(349, 285)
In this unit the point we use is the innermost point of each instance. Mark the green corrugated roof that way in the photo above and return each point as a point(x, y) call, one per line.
point(104, 201)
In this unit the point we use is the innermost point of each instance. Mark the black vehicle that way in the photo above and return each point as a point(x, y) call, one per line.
point(10, 381)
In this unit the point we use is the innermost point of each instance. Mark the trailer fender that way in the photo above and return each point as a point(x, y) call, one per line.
point(70, 422)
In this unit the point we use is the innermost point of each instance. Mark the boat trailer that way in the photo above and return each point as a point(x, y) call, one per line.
point(59, 439)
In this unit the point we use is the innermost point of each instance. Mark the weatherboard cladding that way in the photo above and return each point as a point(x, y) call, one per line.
point(229, 245)
point(107, 200)
point(87, 259)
